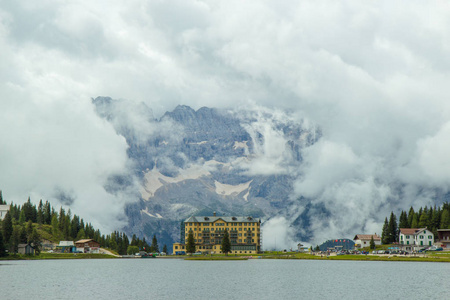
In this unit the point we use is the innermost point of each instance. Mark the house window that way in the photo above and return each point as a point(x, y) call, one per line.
point(407, 236)
point(429, 237)
point(421, 237)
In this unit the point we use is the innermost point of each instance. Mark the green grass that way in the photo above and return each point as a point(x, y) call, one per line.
point(215, 258)
point(45, 255)
point(430, 258)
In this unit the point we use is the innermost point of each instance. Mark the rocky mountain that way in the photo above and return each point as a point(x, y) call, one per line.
point(233, 162)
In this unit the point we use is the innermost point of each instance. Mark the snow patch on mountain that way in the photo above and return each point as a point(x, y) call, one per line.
point(154, 179)
point(145, 211)
point(228, 189)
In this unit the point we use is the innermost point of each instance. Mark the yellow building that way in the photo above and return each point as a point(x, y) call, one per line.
point(244, 233)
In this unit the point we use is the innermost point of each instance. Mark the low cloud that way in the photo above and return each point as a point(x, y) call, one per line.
point(379, 94)
point(278, 234)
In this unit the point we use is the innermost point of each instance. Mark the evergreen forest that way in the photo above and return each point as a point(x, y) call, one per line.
point(433, 218)
point(42, 224)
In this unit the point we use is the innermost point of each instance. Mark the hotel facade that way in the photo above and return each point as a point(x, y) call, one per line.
point(244, 232)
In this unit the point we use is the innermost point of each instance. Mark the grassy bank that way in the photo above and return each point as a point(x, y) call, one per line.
point(434, 257)
point(215, 258)
point(57, 256)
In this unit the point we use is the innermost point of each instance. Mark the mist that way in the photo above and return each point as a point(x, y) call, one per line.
point(373, 76)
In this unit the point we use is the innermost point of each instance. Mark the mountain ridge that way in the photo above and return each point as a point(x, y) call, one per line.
point(204, 160)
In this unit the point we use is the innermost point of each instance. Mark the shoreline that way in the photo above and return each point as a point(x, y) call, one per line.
point(293, 256)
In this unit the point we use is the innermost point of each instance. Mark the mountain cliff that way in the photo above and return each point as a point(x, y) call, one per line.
point(233, 162)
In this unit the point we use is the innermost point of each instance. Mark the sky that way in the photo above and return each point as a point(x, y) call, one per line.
point(372, 74)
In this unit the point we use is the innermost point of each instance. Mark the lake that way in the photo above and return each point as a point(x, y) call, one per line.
point(252, 279)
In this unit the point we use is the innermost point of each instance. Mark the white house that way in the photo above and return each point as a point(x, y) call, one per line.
point(363, 240)
point(415, 238)
point(3, 210)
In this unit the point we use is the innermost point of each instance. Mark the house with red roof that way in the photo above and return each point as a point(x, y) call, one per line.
point(363, 240)
point(413, 239)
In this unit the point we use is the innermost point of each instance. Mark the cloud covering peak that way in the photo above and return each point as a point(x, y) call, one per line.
point(373, 75)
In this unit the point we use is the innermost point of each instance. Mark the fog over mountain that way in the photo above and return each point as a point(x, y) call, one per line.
point(329, 114)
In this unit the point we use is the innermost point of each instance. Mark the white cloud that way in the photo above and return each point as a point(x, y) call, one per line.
point(278, 235)
point(373, 75)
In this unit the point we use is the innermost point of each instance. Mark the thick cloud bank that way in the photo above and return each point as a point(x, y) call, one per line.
point(373, 75)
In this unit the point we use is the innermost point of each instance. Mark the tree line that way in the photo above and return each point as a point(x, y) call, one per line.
point(22, 221)
point(433, 218)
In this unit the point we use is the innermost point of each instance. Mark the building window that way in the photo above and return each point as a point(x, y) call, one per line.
point(429, 237)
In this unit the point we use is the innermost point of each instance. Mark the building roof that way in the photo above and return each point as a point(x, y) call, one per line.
point(84, 241)
point(411, 231)
point(443, 230)
point(212, 219)
point(66, 243)
point(367, 237)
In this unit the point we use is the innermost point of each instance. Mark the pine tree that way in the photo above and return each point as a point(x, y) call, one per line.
point(1, 198)
point(47, 213)
point(445, 220)
point(113, 241)
point(165, 249)
point(2, 244)
point(61, 219)
point(385, 232)
point(35, 241)
point(55, 226)
point(23, 236)
point(7, 227)
point(40, 213)
point(29, 228)
point(393, 229)
point(317, 248)
point(15, 240)
point(125, 242)
point(226, 245)
point(423, 220)
point(372, 243)
point(403, 222)
point(155, 247)
point(66, 228)
point(410, 217)
point(134, 240)
point(190, 245)
point(29, 210)
point(22, 217)
point(415, 221)
point(81, 235)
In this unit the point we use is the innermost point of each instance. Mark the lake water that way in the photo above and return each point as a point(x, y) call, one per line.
point(252, 279)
